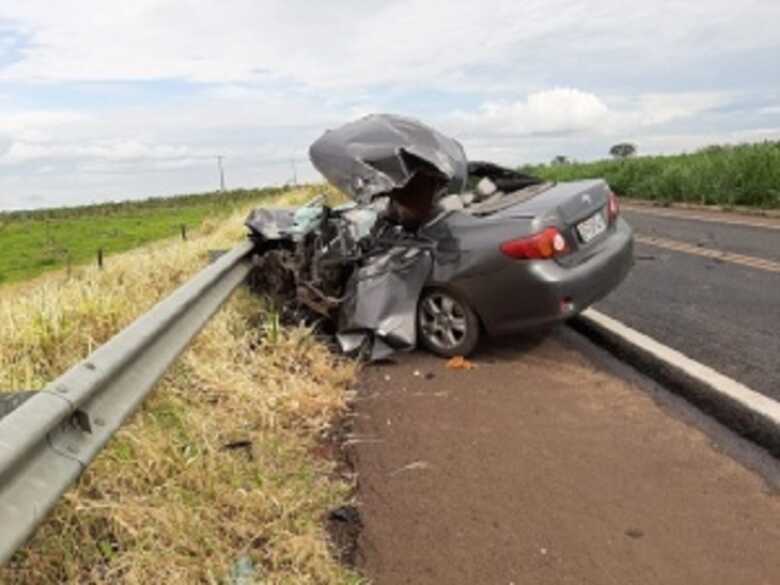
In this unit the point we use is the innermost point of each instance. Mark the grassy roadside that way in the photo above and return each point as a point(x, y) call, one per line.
point(34, 242)
point(218, 466)
point(730, 176)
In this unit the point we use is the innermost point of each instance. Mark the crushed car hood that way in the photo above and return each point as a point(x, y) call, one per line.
point(380, 154)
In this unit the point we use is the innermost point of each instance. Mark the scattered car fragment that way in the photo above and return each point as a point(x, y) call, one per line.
point(435, 249)
point(460, 363)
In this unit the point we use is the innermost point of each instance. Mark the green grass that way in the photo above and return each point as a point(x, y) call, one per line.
point(33, 242)
point(743, 175)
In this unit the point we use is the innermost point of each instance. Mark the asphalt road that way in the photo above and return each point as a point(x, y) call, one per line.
point(551, 463)
point(722, 311)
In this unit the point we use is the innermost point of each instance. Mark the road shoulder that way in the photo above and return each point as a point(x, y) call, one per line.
point(538, 465)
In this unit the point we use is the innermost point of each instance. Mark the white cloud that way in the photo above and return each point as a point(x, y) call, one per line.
point(111, 151)
point(660, 108)
point(353, 44)
point(258, 80)
point(246, 125)
point(559, 110)
point(565, 111)
point(36, 124)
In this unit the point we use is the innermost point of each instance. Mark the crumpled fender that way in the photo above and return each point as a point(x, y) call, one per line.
point(381, 307)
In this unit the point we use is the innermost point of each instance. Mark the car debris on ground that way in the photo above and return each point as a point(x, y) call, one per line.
point(460, 363)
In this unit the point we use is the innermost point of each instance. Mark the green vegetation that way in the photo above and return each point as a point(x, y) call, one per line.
point(743, 175)
point(32, 242)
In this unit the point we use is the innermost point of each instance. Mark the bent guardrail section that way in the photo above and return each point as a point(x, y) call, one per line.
point(48, 440)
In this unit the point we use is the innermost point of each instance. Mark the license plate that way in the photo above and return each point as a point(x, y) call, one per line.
point(591, 227)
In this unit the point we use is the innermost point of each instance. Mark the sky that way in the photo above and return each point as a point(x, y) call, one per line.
point(103, 101)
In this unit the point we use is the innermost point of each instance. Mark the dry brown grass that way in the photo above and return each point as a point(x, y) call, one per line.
point(167, 501)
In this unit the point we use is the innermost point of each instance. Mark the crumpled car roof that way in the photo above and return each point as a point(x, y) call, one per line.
point(382, 153)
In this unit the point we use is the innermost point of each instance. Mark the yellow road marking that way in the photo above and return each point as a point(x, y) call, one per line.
point(750, 261)
point(684, 214)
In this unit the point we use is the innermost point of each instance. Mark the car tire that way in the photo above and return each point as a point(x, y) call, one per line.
point(446, 324)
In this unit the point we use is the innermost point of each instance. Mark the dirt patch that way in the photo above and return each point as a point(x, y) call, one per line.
point(537, 467)
point(343, 524)
point(344, 527)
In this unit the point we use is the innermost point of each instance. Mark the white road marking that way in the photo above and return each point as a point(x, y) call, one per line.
point(687, 248)
point(721, 385)
point(697, 216)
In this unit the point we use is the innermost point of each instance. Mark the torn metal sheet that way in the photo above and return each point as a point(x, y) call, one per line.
point(382, 154)
point(271, 224)
point(381, 306)
point(285, 222)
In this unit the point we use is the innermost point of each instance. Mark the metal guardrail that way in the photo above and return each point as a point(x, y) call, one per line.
point(50, 438)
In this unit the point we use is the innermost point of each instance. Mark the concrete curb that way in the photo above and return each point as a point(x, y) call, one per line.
point(745, 411)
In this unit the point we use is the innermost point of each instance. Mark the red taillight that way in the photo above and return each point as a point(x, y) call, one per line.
point(546, 244)
point(613, 207)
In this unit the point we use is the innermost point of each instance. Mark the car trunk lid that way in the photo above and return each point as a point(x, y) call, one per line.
point(571, 207)
point(570, 202)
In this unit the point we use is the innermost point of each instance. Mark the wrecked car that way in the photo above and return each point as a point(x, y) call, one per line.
point(435, 250)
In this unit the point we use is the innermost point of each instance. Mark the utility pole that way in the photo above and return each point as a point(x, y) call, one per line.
point(221, 173)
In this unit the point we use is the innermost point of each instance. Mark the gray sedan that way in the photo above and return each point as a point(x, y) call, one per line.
point(435, 250)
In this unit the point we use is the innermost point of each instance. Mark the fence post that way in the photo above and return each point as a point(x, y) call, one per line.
point(100, 258)
point(184, 232)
